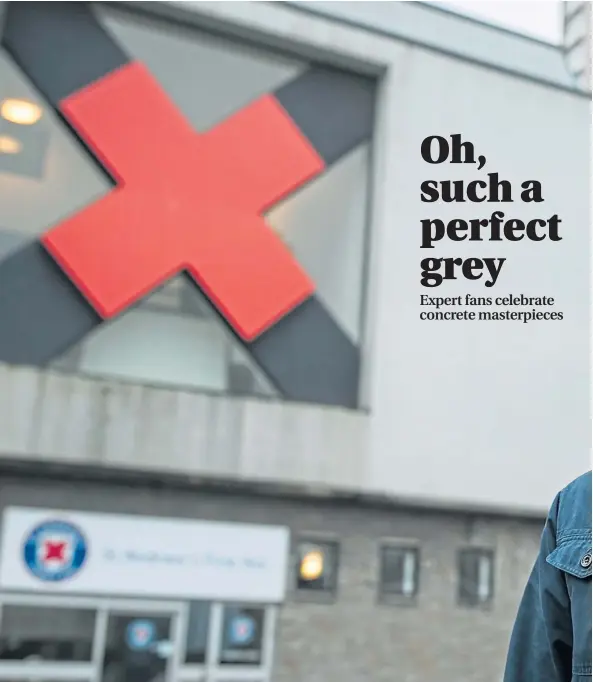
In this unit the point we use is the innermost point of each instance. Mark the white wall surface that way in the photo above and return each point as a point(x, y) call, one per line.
point(481, 411)
point(487, 414)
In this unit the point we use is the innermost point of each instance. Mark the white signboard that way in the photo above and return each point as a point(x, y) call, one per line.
point(106, 554)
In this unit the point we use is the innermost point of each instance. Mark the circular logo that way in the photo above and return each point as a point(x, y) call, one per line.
point(242, 630)
point(140, 634)
point(55, 551)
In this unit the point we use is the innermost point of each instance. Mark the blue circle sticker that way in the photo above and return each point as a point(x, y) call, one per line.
point(241, 631)
point(140, 634)
point(55, 551)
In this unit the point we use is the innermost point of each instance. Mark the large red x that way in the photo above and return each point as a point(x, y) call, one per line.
point(184, 201)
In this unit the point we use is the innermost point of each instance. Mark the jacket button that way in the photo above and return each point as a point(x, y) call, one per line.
point(586, 560)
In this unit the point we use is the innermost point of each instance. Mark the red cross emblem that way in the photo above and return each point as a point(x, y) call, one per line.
point(187, 202)
point(54, 551)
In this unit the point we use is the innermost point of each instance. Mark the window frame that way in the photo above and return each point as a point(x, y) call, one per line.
point(188, 617)
point(398, 598)
point(478, 553)
point(177, 610)
point(316, 595)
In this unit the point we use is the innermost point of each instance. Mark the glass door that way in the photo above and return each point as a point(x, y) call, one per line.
point(139, 647)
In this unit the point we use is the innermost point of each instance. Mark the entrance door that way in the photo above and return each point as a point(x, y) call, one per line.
point(138, 647)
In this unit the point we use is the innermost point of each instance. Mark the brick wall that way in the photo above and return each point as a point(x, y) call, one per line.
point(353, 638)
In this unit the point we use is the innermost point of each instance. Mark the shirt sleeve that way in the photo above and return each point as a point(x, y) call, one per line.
point(541, 642)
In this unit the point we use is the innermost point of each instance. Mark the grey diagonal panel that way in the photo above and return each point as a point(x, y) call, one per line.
point(334, 109)
point(309, 358)
point(61, 47)
point(41, 313)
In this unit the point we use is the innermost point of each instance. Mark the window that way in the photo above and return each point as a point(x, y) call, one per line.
point(317, 566)
point(174, 337)
point(476, 577)
point(242, 636)
point(47, 634)
point(324, 224)
point(197, 632)
point(399, 571)
point(136, 641)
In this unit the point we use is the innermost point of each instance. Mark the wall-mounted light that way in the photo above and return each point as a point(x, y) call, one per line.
point(24, 138)
point(9, 145)
point(20, 111)
point(317, 566)
point(311, 566)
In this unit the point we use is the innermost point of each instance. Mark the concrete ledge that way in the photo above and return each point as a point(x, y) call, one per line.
point(48, 416)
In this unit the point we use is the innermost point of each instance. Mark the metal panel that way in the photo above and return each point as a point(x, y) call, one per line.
point(334, 109)
point(307, 351)
point(38, 36)
point(41, 313)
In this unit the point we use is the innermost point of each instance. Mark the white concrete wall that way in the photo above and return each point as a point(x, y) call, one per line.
point(59, 418)
point(490, 414)
point(490, 411)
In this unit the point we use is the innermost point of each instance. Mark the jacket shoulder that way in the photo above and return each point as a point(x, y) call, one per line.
point(574, 505)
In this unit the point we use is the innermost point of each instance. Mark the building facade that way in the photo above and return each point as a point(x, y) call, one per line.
point(577, 40)
point(232, 445)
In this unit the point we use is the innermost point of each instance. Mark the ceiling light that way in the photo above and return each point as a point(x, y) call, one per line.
point(8, 145)
point(20, 111)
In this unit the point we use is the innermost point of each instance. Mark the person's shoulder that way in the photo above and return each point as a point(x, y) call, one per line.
point(574, 503)
point(580, 487)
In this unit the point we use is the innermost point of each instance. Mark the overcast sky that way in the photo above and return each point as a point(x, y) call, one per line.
point(539, 18)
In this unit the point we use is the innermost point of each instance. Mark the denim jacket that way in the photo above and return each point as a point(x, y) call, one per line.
point(551, 640)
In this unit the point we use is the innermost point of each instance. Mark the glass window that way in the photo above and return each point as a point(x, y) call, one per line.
point(317, 566)
point(242, 636)
point(197, 632)
point(10, 240)
point(47, 175)
point(399, 571)
point(173, 337)
point(208, 77)
point(476, 577)
point(137, 647)
point(324, 226)
point(29, 633)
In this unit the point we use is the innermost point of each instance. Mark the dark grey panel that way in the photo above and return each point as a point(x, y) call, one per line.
point(335, 110)
point(309, 358)
point(41, 313)
point(60, 46)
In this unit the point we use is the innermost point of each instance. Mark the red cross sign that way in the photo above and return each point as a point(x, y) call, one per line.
point(186, 201)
